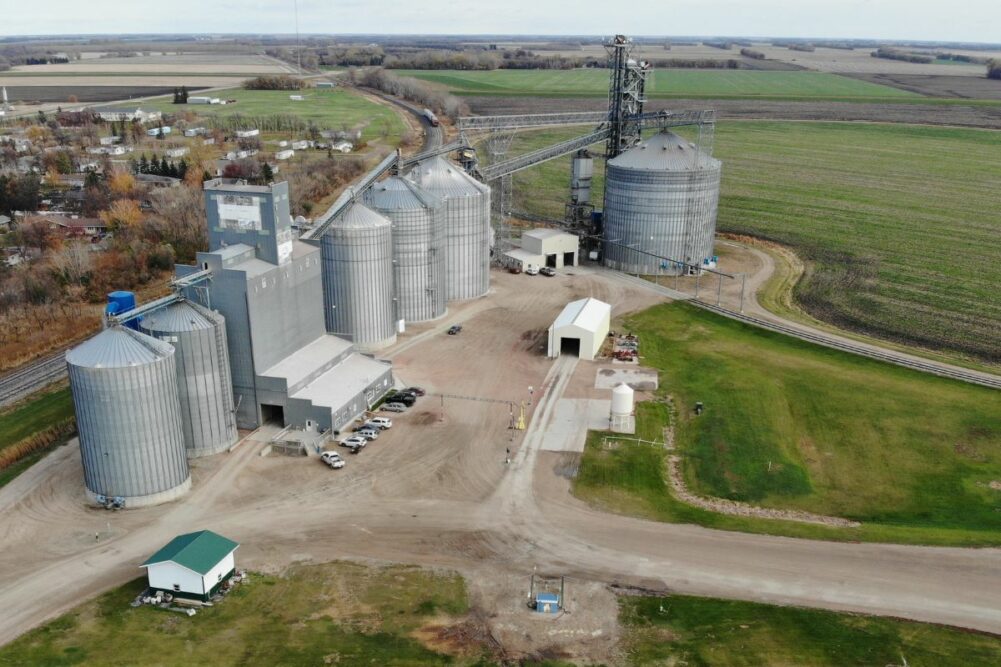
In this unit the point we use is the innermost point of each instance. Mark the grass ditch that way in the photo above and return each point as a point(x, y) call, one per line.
point(33, 427)
point(788, 425)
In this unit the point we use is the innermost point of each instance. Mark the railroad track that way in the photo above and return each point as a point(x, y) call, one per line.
point(31, 378)
point(433, 136)
point(825, 339)
point(953, 372)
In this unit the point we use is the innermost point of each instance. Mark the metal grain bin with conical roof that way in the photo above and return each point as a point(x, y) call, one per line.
point(467, 225)
point(418, 246)
point(357, 255)
point(204, 387)
point(661, 198)
point(128, 417)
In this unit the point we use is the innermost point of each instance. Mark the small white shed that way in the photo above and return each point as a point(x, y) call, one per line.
point(580, 329)
point(193, 565)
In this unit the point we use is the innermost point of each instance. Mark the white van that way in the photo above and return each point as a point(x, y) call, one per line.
point(532, 270)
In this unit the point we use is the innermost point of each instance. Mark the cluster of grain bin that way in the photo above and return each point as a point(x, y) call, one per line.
point(148, 400)
point(404, 250)
point(661, 199)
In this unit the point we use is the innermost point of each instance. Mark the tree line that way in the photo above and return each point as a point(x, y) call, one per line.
point(414, 90)
point(280, 82)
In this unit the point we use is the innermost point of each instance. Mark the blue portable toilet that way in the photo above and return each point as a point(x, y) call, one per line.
point(547, 603)
point(122, 301)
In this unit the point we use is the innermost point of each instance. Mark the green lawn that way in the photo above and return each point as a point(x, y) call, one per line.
point(899, 224)
point(333, 109)
point(338, 613)
point(666, 83)
point(34, 414)
point(681, 630)
point(792, 425)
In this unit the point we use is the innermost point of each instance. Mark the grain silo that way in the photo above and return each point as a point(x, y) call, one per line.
point(661, 198)
point(357, 255)
point(205, 389)
point(467, 225)
point(418, 246)
point(124, 387)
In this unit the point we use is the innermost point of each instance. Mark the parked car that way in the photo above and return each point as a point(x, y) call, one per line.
point(354, 441)
point(454, 329)
point(416, 391)
point(362, 427)
point(531, 270)
point(369, 433)
point(548, 271)
point(514, 269)
point(401, 397)
point(381, 422)
point(394, 407)
point(332, 459)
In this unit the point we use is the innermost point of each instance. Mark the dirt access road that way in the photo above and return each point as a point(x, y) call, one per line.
point(435, 491)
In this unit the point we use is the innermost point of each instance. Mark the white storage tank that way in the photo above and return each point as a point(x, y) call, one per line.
point(124, 386)
point(418, 246)
point(467, 225)
point(205, 389)
point(357, 256)
point(622, 405)
point(661, 198)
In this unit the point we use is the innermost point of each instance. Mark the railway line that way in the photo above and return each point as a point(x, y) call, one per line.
point(27, 380)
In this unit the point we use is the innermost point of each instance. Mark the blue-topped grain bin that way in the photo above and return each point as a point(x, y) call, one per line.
point(122, 302)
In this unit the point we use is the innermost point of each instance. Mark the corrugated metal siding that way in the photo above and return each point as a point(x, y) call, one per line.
point(467, 226)
point(667, 213)
point(357, 272)
point(419, 249)
point(203, 378)
point(128, 418)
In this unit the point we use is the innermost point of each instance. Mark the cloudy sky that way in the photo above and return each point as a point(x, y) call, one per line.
point(960, 20)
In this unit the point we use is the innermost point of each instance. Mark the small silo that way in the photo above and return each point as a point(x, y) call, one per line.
point(357, 255)
point(622, 406)
point(128, 417)
point(467, 225)
point(205, 389)
point(661, 198)
point(418, 246)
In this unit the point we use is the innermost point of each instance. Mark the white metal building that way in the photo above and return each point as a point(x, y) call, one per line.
point(580, 329)
point(558, 249)
point(193, 565)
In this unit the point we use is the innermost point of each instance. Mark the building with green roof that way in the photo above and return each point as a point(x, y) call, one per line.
point(193, 565)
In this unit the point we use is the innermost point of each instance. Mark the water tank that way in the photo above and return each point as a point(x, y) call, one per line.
point(357, 254)
point(124, 386)
point(204, 386)
point(622, 400)
point(418, 246)
point(467, 225)
point(660, 197)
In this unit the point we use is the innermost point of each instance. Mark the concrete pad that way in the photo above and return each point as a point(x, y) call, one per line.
point(637, 377)
point(571, 420)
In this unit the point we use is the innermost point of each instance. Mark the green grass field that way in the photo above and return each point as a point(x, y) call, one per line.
point(795, 426)
point(668, 83)
point(681, 630)
point(330, 109)
point(311, 615)
point(27, 418)
point(899, 224)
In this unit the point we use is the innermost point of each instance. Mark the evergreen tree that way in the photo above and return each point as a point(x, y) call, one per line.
point(177, 96)
point(172, 170)
point(182, 168)
point(206, 176)
point(184, 94)
point(92, 180)
point(164, 168)
point(143, 164)
point(267, 174)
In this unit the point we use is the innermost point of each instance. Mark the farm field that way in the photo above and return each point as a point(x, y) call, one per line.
point(332, 109)
point(83, 94)
point(666, 83)
point(22, 421)
point(789, 425)
point(192, 63)
point(898, 223)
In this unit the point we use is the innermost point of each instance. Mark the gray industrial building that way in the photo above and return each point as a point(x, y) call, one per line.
point(268, 286)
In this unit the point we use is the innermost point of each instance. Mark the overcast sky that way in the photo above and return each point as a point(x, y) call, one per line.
point(960, 20)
